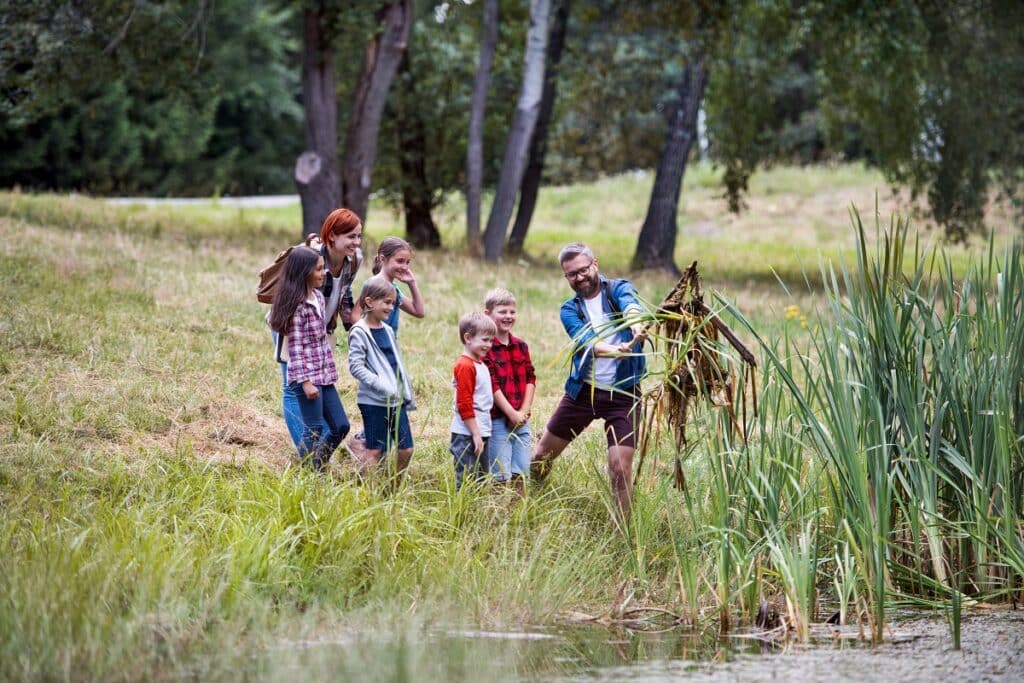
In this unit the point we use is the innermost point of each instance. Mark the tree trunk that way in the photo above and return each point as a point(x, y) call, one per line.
point(380, 62)
point(539, 145)
point(316, 175)
point(655, 247)
point(514, 161)
point(417, 195)
point(478, 107)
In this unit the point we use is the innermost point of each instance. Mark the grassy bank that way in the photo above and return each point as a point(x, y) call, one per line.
point(152, 524)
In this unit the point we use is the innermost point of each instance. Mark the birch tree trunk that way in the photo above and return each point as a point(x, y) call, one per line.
point(316, 175)
point(655, 247)
point(530, 186)
point(478, 108)
point(514, 160)
point(380, 63)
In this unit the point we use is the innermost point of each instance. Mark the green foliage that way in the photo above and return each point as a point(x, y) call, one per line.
point(761, 102)
point(435, 90)
point(927, 86)
point(912, 398)
point(162, 110)
point(614, 84)
point(749, 57)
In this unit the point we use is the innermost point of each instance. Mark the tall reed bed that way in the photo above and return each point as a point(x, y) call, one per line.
point(909, 401)
point(928, 370)
point(886, 460)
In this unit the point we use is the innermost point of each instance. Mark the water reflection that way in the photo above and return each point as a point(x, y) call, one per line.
point(399, 650)
point(578, 652)
point(583, 651)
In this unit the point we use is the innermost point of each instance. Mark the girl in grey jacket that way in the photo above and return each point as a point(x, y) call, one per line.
point(385, 392)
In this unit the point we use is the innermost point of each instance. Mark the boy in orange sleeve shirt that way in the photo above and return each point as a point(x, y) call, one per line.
point(474, 398)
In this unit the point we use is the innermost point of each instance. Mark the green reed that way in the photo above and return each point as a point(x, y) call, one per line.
point(911, 394)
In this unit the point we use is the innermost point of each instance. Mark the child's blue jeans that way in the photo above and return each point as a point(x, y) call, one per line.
point(290, 406)
point(316, 442)
point(509, 450)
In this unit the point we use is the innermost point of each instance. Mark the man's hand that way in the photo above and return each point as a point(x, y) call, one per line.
point(478, 444)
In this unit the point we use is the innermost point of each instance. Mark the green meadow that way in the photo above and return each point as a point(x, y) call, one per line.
point(154, 524)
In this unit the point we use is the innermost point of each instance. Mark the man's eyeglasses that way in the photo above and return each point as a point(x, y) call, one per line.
point(578, 273)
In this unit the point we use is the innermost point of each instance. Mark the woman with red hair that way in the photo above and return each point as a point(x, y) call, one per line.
point(340, 237)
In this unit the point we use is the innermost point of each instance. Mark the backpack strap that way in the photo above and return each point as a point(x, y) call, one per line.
point(607, 284)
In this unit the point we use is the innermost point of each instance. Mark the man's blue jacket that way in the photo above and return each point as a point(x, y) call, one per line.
point(616, 297)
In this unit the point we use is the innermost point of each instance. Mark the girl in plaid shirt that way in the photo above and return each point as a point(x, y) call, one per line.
point(298, 312)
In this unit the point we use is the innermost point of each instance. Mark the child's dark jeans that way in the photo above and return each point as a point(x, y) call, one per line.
point(317, 446)
point(467, 462)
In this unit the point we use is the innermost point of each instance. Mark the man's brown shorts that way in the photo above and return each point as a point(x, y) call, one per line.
point(617, 408)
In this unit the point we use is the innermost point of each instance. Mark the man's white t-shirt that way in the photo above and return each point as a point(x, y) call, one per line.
point(604, 367)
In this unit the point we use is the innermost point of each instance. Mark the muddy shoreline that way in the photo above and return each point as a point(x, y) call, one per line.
point(917, 647)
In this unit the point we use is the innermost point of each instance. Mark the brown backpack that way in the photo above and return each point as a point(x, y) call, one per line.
point(270, 275)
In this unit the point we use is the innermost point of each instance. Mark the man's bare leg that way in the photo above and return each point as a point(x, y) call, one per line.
point(620, 474)
point(548, 448)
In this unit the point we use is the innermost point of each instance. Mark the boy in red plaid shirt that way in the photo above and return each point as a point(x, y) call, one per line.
point(514, 384)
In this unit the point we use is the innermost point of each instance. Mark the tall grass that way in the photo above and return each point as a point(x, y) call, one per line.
point(120, 562)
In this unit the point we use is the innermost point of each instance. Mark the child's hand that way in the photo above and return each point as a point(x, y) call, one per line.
point(310, 390)
point(404, 275)
point(478, 444)
point(518, 418)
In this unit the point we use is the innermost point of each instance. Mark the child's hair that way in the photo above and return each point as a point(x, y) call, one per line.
point(376, 288)
point(292, 290)
point(388, 247)
point(499, 296)
point(338, 222)
point(474, 324)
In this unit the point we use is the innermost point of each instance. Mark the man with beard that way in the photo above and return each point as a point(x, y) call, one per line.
point(603, 321)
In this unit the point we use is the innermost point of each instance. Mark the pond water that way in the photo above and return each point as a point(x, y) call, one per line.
point(916, 648)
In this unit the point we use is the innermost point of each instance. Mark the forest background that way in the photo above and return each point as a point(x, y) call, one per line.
point(186, 97)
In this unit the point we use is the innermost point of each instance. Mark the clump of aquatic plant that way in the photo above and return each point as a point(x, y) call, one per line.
point(913, 396)
point(698, 365)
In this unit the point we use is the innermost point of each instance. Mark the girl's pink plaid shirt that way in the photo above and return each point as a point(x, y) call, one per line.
point(309, 351)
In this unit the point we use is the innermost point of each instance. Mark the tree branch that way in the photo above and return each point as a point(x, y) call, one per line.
point(123, 33)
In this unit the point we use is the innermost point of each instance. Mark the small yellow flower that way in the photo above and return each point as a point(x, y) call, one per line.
point(791, 312)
